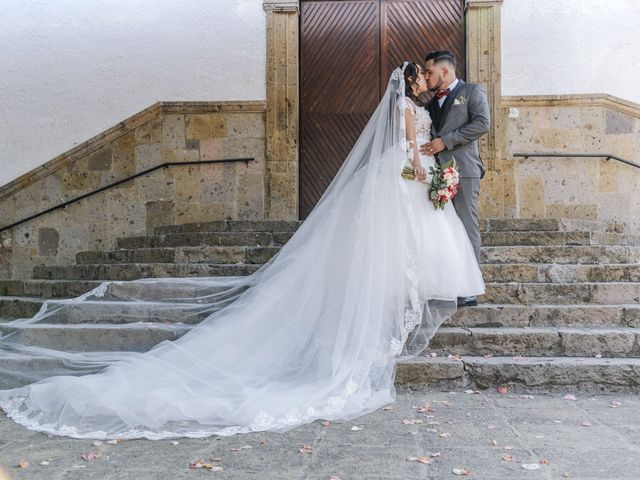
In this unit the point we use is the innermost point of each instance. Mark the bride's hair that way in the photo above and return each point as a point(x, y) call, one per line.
point(410, 76)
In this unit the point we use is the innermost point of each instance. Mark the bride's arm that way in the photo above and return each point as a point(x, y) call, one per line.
point(412, 146)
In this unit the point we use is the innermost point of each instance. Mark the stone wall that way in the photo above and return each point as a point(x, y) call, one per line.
point(583, 188)
point(167, 131)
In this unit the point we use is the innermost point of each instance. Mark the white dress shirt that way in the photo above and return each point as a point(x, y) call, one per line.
point(450, 87)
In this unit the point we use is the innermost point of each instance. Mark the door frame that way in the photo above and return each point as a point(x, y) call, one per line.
point(483, 45)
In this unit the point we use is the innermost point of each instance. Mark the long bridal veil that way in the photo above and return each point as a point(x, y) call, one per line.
point(315, 333)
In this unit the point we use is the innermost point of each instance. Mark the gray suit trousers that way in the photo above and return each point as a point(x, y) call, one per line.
point(466, 205)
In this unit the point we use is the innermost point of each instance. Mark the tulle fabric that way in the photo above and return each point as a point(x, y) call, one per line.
point(315, 333)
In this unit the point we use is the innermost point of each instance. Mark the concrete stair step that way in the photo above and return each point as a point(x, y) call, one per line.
point(134, 337)
point(258, 239)
point(486, 225)
point(492, 238)
point(24, 368)
point(132, 271)
point(562, 273)
point(590, 254)
point(485, 315)
point(495, 315)
point(538, 341)
point(231, 226)
point(523, 273)
point(541, 224)
point(558, 238)
point(19, 307)
point(528, 374)
point(46, 288)
point(177, 290)
point(197, 254)
point(115, 312)
point(562, 294)
point(586, 254)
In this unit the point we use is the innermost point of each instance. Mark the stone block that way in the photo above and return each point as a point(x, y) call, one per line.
point(283, 197)
point(48, 239)
point(180, 155)
point(123, 162)
point(52, 190)
point(607, 178)
point(211, 149)
point(159, 213)
point(101, 159)
point(219, 189)
point(565, 140)
point(192, 144)
point(593, 118)
point(203, 126)
point(238, 147)
point(513, 341)
point(490, 203)
point(249, 125)
point(618, 123)
point(195, 212)
point(125, 213)
point(22, 265)
point(250, 196)
point(6, 257)
point(580, 342)
point(564, 118)
point(173, 131)
point(187, 184)
point(430, 371)
point(27, 201)
point(531, 197)
point(76, 179)
point(216, 254)
point(158, 185)
point(586, 212)
point(150, 132)
point(147, 156)
point(24, 235)
point(7, 211)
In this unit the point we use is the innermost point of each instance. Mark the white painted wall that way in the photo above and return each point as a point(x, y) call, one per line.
point(70, 69)
point(571, 46)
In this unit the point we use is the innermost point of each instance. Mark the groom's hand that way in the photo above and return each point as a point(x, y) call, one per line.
point(434, 146)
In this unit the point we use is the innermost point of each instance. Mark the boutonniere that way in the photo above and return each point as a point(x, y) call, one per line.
point(459, 101)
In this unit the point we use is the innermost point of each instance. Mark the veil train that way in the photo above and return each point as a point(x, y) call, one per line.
point(315, 333)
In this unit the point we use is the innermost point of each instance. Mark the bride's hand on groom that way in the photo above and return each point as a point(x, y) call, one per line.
point(434, 146)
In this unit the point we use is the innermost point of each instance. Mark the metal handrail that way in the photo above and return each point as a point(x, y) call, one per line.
point(606, 156)
point(119, 182)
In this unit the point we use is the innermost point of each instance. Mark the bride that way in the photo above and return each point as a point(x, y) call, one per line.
point(315, 333)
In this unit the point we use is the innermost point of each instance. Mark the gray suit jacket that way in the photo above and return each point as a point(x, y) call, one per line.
point(462, 119)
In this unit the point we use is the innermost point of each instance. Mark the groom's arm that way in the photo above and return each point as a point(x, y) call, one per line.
point(478, 125)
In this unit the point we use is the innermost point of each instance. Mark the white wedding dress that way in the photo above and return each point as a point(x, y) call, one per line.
point(315, 333)
point(446, 257)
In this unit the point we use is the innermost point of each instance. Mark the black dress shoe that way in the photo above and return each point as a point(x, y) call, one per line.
point(467, 301)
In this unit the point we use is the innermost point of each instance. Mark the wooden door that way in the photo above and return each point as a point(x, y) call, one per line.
point(348, 49)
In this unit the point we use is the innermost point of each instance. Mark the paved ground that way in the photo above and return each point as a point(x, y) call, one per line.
point(489, 434)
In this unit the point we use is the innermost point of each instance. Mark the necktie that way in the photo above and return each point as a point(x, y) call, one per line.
point(442, 93)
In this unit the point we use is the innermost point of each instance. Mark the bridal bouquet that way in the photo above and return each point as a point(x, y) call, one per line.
point(444, 183)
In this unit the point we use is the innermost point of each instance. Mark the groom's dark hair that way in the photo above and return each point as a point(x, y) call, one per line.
point(439, 56)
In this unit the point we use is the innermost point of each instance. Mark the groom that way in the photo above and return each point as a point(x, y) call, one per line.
point(460, 115)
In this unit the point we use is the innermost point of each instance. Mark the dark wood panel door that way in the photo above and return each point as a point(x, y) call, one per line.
point(348, 49)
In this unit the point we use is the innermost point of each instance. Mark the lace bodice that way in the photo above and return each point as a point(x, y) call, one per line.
point(423, 120)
